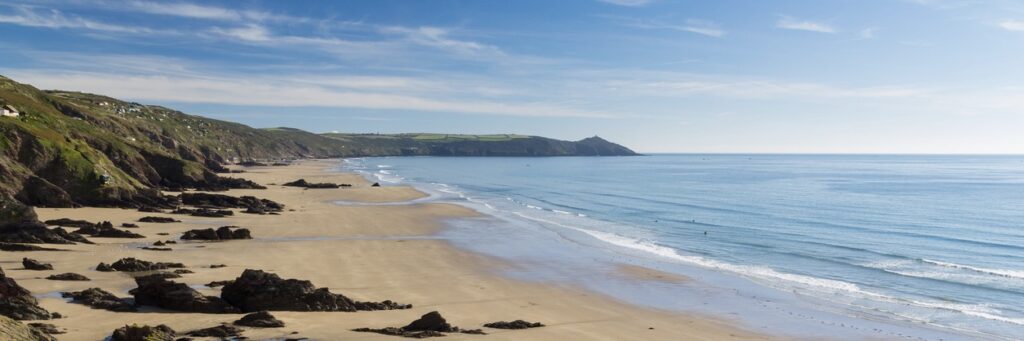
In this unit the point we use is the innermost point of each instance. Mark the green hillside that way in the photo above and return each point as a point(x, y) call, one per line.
point(72, 148)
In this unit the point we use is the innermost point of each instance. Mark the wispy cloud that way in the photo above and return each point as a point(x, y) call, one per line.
point(52, 18)
point(868, 33)
point(790, 23)
point(275, 92)
point(440, 38)
point(1012, 25)
point(698, 26)
point(629, 3)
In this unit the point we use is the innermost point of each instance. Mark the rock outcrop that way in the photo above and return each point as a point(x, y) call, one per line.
point(37, 233)
point(162, 220)
point(106, 230)
point(431, 324)
point(135, 265)
point(517, 324)
point(143, 333)
point(100, 299)
point(67, 276)
point(227, 201)
point(222, 331)
point(222, 233)
point(302, 183)
point(158, 291)
point(256, 290)
point(32, 264)
point(260, 319)
point(17, 302)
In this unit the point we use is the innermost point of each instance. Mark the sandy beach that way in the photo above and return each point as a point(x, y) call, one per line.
point(366, 252)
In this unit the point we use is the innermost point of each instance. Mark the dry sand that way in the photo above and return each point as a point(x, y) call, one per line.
point(366, 252)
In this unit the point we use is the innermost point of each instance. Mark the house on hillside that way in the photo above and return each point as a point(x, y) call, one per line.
point(9, 111)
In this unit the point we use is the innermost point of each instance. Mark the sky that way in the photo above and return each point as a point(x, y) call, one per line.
point(838, 76)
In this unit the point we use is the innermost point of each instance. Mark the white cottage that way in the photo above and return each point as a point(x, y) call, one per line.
point(9, 111)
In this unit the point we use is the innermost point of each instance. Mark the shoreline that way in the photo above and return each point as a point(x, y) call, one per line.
point(367, 252)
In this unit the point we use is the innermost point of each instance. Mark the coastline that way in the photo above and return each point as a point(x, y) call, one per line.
point(367, 252)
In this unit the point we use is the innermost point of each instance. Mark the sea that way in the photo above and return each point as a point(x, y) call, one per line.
point(916, 247)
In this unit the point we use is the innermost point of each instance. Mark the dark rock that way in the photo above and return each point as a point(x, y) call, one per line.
point(158, 291)
point(158, 220)
point(67, 276)
point(32, 264)
point(150, 209)
point(163, 274)
point(251, 163)
point(215, 284)
point(56, 315)
point(430, 321)
point(517, 324)
point(129, 225)
point(143, 333)
point(302, 183)
point(107, 230)
point(227, 201)
point(134, 265)
point(217, 266)
point(17, 302)
point(37, 233)
point(183, 271)
point(375, 184)
point(222, 233)
point(46, 328)
point(24, 248)
point(104, 267)
point(431, 324)
point(100, 299)
point(204, 212)
point(150, 248)
point(257, 290)
point(65, 222)
point(221, 331)
point(159, 243)
point(261, 319)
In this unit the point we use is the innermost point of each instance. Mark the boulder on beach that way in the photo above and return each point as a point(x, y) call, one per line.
point(223, 331)
point(32, 264)
point(143, 333)
point(158, 220)
point(260, 319)
point(37, 233)
point(222, 233)
point(129, 225)
point(46, 328)
point(257, 290)
point(302, 183)
point(130, 264)
point(66, 222)
point(67, 276)
point(517, 324)
point(431, 324)
point(100, 299)
point(227, 201)
point(17, 302)
point(15, 247)
point(158, 291)
point(106, 230)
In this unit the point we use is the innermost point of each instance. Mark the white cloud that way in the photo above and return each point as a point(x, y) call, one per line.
point(1012, 25)
point(629, 3)
point(440, 38)
point(182, 9)
point(803, 25)
point(32, 17)
point(698, 26)
point(868, 33)
point(280, 93)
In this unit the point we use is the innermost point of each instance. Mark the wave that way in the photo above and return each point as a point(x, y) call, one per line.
point(1016, 274)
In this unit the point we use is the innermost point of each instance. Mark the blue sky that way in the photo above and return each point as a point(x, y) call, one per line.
point(864, 76)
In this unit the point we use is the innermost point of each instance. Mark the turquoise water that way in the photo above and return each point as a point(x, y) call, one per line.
point(927, 247)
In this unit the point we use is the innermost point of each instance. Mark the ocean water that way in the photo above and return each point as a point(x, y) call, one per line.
point(818, 246)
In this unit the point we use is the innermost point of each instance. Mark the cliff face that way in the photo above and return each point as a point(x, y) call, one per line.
point(70, 148)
